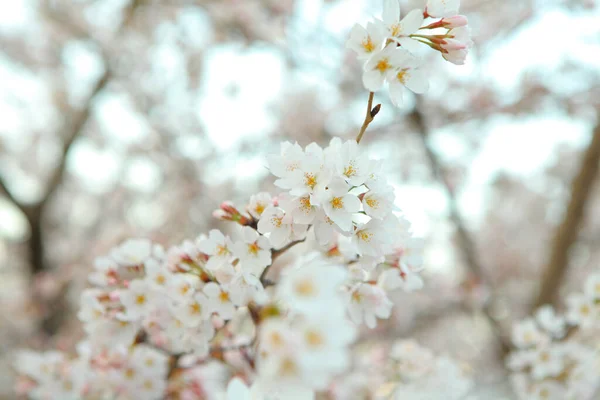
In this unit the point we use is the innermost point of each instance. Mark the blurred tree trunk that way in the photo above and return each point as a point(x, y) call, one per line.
point(567, 231)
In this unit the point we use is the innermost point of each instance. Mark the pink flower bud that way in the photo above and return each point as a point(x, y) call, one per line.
point(451, 44)
point(228, 207)
point(454, 22)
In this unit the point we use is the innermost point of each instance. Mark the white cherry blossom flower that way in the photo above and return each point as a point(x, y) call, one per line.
point(219, 300)
point(339, 205)
point(182, 286)
point(280, 227)
point(218, 247)
point(378, 203)
point(285, 163)
point(548, 362)
point(352, 163)
point(366, 42)
point(302, 209)
point(258, 203)
point(398, 29)
point(311, 177)
point(526, 334)
point(550, 322)
point(368, 302)
point(312, 287)
point(407, 74)
point(253, 250)
point(136, 299)
point(132, 252)
point(371, 239)
point(245, 288)
point(325, 229)
point(193, 310)
point(581, 311)
point(380, 65)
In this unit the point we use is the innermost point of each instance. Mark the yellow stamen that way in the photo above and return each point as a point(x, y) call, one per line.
point(372, 203)
point(337, 203)
point(305, 288)
point(402, 75)
point(368, 45)
point(253, 249)
point(314, 339)
point(140, 299)
point(383, 65)
point(310, 180)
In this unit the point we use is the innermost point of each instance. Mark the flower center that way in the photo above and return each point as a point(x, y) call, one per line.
point(305, 288)
point(276, 222)
point(372, 203)
point(365, 236)
point(368, 45)
point(224, 297)
point(222, 250)
point(140, 299)
point(253, 248)
point(350, 170)
point(314, 339)
point(305, 204)
point(402, 76)
point(383, 65)
point(337, 203)
point(260, 207)
point(310, 180)
point(195, 308)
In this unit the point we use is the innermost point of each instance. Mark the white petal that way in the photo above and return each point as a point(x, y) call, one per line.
point(412, 22)
point(417, 81)
point(351, 203)
point(373, 80)
point(391, 11)
point(410, 44)
point(396, 93)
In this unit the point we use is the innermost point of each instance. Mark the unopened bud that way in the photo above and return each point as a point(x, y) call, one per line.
point(454, 22)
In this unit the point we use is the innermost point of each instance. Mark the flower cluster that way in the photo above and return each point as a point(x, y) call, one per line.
point(210, 318)
point(182, 299)
point(557, 355)
point(390, 47)
point(138, 372)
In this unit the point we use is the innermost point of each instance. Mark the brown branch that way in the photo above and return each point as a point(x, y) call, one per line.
point(567, 231)
point(465, 242)
point(274, 255)
point(369, 117)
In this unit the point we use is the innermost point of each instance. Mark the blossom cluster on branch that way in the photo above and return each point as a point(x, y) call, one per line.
point(209, 318)
point(557, 355)
point(390, 46)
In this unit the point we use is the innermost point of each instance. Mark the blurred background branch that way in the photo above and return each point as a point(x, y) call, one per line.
point(567, 232)
point(466, 245)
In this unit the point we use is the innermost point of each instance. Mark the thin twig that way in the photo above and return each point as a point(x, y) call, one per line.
point(274, 255)
point(466, 243)
point(369, 117)
point(567, 231)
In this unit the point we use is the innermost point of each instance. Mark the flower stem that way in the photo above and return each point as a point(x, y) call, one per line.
point(371, 113)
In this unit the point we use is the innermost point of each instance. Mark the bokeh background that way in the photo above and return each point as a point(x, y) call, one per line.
point(128, 118)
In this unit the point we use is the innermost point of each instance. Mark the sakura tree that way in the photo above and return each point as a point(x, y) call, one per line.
point(213, 318)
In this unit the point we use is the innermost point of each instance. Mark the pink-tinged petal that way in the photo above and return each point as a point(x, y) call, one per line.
point(373, 80)
point(412, 22)
point(416, 80)
point(391, 11)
